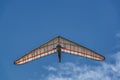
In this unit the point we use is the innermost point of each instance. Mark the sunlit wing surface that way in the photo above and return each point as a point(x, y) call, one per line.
point(44, 50)
point(76, 49)
point(66, 46)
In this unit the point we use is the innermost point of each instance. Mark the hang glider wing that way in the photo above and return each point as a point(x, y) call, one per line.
point(66, 46)
point(44, 50)
point(74, 48)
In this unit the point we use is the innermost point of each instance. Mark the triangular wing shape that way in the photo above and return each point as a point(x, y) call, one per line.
point(43, 50)
point(74, 48)
point(66, 46)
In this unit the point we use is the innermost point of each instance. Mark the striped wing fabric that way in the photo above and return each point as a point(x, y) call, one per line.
point(67, 47)
point(76, 49)
point(44, 50)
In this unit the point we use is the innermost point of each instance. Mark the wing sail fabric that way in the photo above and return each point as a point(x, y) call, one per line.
point(74, 48)
point(50, 48)
point(84, 53)
point(38, 53)
point(44, 50)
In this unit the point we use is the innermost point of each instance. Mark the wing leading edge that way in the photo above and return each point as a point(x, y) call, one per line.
point(76, 49)
point(44, 50)
point(50, 48)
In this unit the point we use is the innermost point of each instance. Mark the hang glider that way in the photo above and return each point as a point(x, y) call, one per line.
point(58, 45)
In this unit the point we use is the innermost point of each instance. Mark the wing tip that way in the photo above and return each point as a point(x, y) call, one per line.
point(102, 59)
point(15, 63)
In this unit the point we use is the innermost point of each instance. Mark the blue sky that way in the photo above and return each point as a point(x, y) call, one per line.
point(26, 24)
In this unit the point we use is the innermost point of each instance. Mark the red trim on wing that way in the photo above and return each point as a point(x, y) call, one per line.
point(17, 62)
point(100, 57)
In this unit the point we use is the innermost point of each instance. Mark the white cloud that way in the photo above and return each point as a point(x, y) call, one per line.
point(118, 35)
point(51, 68)
point(71, 71)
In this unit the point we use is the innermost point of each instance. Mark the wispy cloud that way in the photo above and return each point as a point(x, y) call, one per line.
point(118, 35)
point(71, 71)
point(51, 68)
